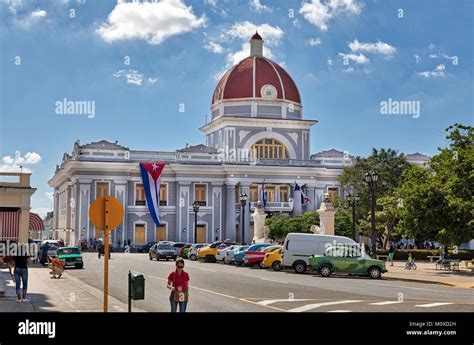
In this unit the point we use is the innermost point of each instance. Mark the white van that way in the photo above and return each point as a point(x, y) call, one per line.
point(299, 247)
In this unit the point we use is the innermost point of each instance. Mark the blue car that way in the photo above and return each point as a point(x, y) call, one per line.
point(239, 256)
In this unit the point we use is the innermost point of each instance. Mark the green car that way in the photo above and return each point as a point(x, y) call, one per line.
point(70, 256)
point(186, 252)
point(344, 259)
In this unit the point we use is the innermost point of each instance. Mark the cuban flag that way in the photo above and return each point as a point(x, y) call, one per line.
point(151, 184)
point(264, 195)
point(305, 197)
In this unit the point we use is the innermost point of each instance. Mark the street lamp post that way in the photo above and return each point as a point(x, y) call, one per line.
point(243, 202)
point(371, 179)
point(353, 198)
point(196, 210)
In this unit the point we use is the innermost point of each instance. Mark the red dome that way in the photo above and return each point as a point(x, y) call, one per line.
point(246, 79)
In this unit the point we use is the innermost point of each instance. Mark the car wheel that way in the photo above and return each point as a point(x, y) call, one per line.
point(325, 270)
point(192, 257)
point(260, 264)
point(300, 267)
point(276, 266)
point(80, 266)
point(151, 257)
point(210, 258)
point(375, 273)
point(167, 259)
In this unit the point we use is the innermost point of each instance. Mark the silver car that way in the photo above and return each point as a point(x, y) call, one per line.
point(194, 250)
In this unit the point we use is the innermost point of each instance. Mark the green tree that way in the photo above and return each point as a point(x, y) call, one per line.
point(438, 201)
point(343, 223)
point(389, 165)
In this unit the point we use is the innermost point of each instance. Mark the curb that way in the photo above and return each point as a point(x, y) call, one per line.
point(429, 282)
point(413, 280)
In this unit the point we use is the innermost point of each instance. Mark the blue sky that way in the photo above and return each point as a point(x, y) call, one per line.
point(49, 50)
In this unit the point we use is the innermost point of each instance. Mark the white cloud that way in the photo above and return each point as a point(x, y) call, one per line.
point(417, 58)
point(375, 48)
point(437, 72)
point(348, 70)
point(132, 76)
point(434, 56)
point(313, 42)
point(329, 62)
point(213, 3)
point(30, 19)
point(272, 36)
point(49, 195)
point(12, 164)
point(41, 211)
point(257, 6)
point(296, 23)
point(432, 46)
point(152, 81)
point(14, 5)
point(358, 59)
point(320, 13)
point(153, 22)
point(214, 47)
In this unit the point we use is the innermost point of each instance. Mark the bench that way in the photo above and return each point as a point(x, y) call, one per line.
point(431, 257)
point(379, 257)
point(450, 265)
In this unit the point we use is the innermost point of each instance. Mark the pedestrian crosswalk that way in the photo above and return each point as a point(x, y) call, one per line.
point(295, 305)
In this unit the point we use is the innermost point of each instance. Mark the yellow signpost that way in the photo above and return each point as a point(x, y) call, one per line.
point(106, 213)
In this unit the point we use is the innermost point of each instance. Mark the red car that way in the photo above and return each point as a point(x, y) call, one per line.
point(256, 257)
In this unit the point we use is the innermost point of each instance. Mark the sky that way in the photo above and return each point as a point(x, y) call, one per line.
point(150, 68)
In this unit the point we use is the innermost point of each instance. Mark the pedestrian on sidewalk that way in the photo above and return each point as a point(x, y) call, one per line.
point(21, 277)
point(178, 284)
point(391, 254)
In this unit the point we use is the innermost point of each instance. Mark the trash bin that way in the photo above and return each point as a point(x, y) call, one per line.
point(137, 281)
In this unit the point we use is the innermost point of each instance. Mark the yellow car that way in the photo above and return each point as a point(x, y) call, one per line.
point(208, 254)
point(273, 259)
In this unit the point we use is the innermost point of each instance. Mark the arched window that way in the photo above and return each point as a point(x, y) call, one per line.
point(269, 149)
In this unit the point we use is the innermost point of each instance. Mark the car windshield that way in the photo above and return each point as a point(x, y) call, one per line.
point(214, 245)
point(164, 247)
point(68, 251)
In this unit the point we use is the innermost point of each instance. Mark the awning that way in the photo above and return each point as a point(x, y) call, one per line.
point(36, 223)
point(9, 224)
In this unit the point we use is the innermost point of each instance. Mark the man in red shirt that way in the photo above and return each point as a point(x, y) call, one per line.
point(178, 284)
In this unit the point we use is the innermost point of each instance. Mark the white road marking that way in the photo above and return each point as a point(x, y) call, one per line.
point(317, 305)
point(430, 305)
point(271, 301)
point(386, 302)
point(340, 311)
point(275, 281)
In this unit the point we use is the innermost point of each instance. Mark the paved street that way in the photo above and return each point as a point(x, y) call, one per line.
point(219, 288)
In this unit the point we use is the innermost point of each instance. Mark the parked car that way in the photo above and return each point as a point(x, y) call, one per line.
point(181, 251)
point(229, 255)
point(162, 251)
point(193, 250)
point(177, 246)
point(239, 257)
point(220, 256)
point(341, 259)
point(208, 254)
point(70, 256)
point(146, 247)
point(256, 256)
point(273, 259)
point(52, 250)
point(186, 252)
point(299, 247)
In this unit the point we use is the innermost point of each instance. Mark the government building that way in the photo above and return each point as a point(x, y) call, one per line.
point(257, 136)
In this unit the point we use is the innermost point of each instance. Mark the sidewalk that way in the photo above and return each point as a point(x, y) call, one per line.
point(67, 294)
point(427, 273)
